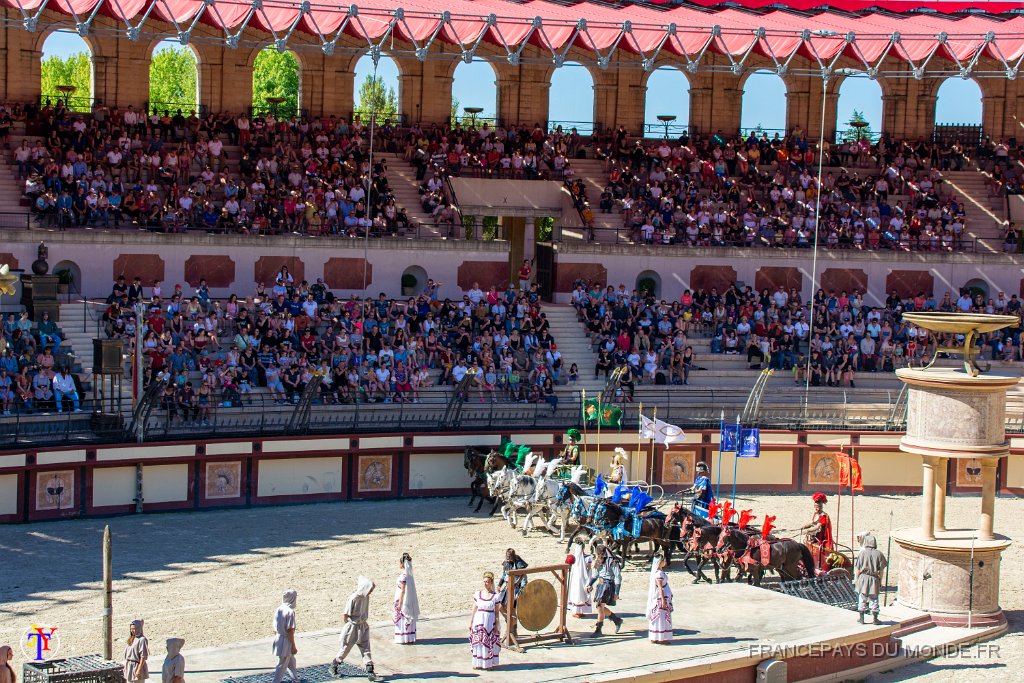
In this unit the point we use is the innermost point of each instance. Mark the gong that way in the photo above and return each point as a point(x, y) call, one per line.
point(536, 605)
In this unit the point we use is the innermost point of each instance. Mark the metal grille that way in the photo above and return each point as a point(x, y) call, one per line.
point(321, 673)
point(836, 590)
point(84, 669)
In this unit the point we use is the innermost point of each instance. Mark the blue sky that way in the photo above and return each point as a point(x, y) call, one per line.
point(572, 94)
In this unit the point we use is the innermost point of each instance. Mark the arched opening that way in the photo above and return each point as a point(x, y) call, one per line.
point(977, 287)
point(668, 95)
point(571, 99)
point(66, 73)
point(475, 87)
point(70, 276)
point(414, 281)
point(276, 83)
point(650, 282)
point(379, 95)
point(763, 108)
point(958, 103)
point(859, 109)
point(174, 78)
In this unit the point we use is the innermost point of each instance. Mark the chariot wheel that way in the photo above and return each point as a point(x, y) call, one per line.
point(839, 571)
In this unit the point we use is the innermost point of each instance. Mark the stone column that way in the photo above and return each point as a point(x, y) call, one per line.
point(928, 498)
point(988, 498)
point(941, 477)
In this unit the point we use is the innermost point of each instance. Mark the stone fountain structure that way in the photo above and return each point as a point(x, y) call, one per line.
point(953, 413)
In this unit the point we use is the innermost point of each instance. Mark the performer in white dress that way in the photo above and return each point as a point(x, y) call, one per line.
point(659, 604)
point(136, 654)
point(484, 632)
point(579, 578)
point(407, 605)
point(284, 638)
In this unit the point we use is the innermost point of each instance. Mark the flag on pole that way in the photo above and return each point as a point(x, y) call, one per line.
point(750, 443)
point(729, 437)
point(849, 472)
point(659, 430)
point(607, 414)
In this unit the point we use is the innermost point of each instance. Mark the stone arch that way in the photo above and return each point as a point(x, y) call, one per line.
point(263, 106)
point(420, 275)
point(74, 269)
point(862, 95)
point(389, 73)
point(763, 102)
point(573, 78)
point(978, 286)
point(481, 74)
point(679, 106)
point(64, 44)
point(959, 101)
point(169, 43)
point(652, 276)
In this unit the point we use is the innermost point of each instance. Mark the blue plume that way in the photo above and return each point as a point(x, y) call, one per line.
point(638, 500)
point(599, 486)
point(620, 491)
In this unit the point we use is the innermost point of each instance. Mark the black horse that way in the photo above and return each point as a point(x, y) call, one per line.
point(478, 464)
point(791, 559)
point(696, 539)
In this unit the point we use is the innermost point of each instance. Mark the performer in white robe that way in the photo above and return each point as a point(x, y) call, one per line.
point(484, 632)
point(174, 663)
point(284, 638)
point(659, 604)
point(579, 579)
point(136, 654)
point(407, 605)
point(356, 632)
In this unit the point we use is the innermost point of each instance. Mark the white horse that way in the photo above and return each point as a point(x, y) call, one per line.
point(499, 485)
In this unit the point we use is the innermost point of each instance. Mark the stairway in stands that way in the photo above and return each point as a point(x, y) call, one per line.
point(986, 215)
point(405, 187)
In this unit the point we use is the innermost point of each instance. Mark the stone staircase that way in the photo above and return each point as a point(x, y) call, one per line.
point(405, 187)
point(986, 215)
point(79, 335)
point(574, 346)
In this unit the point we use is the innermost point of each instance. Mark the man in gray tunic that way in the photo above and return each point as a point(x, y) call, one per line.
point(356, 632)
point(869, 567)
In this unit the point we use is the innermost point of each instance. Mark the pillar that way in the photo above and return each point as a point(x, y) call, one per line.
point(928, 498)
point(988, 498)
point(941, 477)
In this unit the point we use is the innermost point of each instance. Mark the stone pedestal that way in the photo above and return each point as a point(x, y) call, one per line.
point(39, 295)
point(950, 415)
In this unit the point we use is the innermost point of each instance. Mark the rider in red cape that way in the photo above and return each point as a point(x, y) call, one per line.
point(819, 531)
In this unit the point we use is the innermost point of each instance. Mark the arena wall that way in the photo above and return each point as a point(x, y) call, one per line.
point(195, 475)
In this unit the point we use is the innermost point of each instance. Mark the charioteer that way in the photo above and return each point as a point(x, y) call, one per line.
point(819, 531)
point(571, 453)
point(701, 488)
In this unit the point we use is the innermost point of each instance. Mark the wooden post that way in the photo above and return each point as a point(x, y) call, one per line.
point(108, 603)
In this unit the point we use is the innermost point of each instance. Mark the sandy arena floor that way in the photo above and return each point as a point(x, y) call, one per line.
point(216, 577)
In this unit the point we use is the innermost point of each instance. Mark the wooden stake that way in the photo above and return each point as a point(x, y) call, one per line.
point(108, 597)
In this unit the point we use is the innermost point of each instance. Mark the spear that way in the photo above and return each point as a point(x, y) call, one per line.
point(888, 551)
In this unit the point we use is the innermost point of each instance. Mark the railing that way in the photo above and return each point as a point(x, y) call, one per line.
point(673, 131)
point(758, 131)
point(396, 119)
point(622, 236)
point(79, 104)
point(186, 108)
point(259, 416)
point(968, 135)
point(851, 134)
point(584, 128)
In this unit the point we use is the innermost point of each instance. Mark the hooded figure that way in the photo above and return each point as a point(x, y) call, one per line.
point(284, 637)
point(174, 662)
point(407, 605)
point(6, 670)
point(869, 567)
point(579, 579)
point(659, 603)
point(356, 632)
point(136, 652)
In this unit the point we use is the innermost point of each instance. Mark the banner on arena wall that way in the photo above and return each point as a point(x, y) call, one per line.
point(659, 430)
point(607, 414)
point(750, 443)
point(729, 437)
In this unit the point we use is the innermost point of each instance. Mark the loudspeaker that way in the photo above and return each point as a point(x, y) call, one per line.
point(107, 357)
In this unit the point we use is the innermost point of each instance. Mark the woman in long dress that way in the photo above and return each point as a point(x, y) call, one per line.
point(659, 604)
point(136, 653)
point(579, 578)
point(484, 633)
point(407, 605)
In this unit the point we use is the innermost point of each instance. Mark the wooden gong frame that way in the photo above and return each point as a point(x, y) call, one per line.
point(514, 641)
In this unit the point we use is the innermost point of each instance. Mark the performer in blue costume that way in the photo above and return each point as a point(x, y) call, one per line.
point(701, 489)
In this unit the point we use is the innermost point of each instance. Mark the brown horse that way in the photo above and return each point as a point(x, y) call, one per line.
point(697, 539)
point(478, 465)
point(790, 559)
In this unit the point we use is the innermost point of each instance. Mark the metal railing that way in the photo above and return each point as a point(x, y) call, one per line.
point(853, 134)
point(186, 108)
point(395, 119)
point(79, 104)
point(584, 128)
point(258, 415)
point(658, 131)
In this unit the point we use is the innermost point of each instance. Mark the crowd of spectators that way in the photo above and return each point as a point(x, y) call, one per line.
point(171, 172)
point(755, 191)
point(35, 377)
point(493, 345)
point(832, 337)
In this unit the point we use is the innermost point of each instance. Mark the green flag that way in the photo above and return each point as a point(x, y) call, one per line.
point(608, 414)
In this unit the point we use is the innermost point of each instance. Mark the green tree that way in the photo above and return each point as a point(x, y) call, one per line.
point(377, 98)
point(276, 74)
point(858, 131)
point(173, 75)
point(75, 70)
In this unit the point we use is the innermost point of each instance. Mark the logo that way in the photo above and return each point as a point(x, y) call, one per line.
point(40, 642)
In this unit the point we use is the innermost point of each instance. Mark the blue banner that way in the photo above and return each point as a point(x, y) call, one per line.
point(729, 437)
point(750, 444)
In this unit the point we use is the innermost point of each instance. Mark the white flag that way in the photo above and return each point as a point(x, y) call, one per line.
point(659, 430)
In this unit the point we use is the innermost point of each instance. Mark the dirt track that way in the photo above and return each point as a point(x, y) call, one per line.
point(216, 577)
